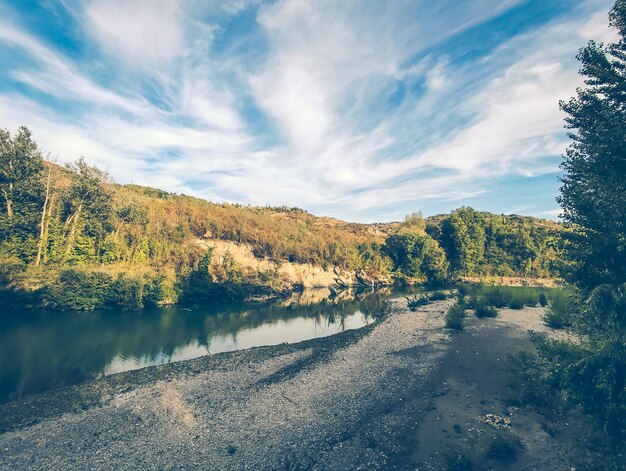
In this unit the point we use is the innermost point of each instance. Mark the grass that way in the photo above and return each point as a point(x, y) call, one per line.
point(513, 297)
point(483, 310)
point(455, 317)
point(560, 311)
point(417, 301)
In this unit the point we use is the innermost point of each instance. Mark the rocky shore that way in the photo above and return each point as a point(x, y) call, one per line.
point(376, 398)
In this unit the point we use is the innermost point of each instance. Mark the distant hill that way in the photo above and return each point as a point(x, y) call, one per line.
point(79, 240)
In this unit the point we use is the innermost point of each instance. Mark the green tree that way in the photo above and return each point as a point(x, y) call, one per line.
point(417, 255)
point(89, 204)
point(20, 164)
point(464, 238)
point(415, 219)
point(593, 195)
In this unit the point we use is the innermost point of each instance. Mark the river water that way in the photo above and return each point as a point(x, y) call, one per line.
point(45, 350)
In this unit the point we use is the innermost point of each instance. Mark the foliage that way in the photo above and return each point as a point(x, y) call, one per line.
point(437, 296)
point(592, 372)
point(464, 237)
point(593, 195)
point(75, 218)
point(559, 314)
point(416, 301)
point(415, 219)
point(455, 317)
point(483, 310)
point(421, 300)
point(418, 255)
point(484, 244)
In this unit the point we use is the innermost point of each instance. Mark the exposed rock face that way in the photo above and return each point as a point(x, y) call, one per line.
point(296, 274)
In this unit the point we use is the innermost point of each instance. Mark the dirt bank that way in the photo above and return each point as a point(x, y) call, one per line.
point(383, 397)
point(291, 274)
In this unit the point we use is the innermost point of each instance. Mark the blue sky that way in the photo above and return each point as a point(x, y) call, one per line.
point(362, 110)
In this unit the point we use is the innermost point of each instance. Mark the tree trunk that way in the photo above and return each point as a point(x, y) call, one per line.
point(42, 229)
point(8, 196)
point(47, 227)
point(72, 234)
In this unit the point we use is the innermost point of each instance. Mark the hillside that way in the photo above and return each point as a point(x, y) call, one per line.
point(71, 238)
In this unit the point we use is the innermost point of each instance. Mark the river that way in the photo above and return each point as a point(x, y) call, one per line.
point(45, 350)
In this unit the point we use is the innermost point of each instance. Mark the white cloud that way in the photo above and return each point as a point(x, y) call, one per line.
point(325, 81)
point(140, 31)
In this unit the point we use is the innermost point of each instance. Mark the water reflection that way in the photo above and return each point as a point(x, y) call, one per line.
point(45, 350)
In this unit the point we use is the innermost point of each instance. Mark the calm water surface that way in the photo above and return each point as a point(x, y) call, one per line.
point(46, 350)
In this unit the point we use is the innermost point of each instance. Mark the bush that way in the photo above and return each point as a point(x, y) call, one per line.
point(126, 293)
point(462, 291)
point(10, 265)
point(416, 301)
point(482, 310)
point(81, 290)
point(543, 299)
point(559, 314)
point(437, 296)
point(455, 317)
point(496, 296)
point(516, 304)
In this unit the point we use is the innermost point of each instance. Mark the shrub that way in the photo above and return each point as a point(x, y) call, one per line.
point(559, 314)
point(126, 293)
point(76, 289)
point(483, 310)
point(416, 301)
point(543, 299)
point(462, 291)
point(496, 296)
point(516, 303)
point(455, 316)
point(437, 296)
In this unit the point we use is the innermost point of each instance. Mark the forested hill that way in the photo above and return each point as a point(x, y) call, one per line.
point(71, 230)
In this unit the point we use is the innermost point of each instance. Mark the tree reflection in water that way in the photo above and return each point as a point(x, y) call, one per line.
point(46, 350)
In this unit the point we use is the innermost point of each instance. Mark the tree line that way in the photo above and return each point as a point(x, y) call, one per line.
point(72, 230)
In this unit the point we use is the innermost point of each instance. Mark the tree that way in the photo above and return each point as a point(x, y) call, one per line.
point(46, 212)
point(88, 198)
point(416, 255)
point(593, 194)
point(463, 236)
point(415, 219)
point(20, 161)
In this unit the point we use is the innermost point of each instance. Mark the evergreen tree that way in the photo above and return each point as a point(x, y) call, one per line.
point(593, 195)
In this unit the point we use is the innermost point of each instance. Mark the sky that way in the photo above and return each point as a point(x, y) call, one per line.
point(361, 110)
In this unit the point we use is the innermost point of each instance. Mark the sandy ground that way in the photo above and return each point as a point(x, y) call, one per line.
point(384, 397)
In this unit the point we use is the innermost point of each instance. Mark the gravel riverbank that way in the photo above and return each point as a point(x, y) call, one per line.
point(341, 402)
point(403, 393)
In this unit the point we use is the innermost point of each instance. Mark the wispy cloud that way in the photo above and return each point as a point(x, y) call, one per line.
point(362, 111)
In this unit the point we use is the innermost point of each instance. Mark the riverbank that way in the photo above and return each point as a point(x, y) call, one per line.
point(386, 396)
